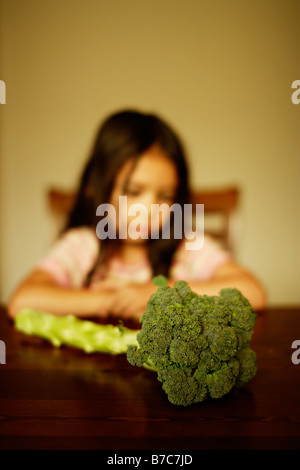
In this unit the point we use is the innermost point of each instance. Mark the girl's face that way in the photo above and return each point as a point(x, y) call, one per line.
point(153, 180)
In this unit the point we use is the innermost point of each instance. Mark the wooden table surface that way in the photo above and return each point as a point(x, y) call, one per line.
point(65, 399)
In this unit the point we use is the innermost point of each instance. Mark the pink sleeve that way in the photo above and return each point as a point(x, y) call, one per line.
point(198, 265)
point(72, 257)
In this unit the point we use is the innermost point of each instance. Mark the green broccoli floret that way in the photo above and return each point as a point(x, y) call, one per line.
point(179, 381)
point(198, 344)
point(248, 366)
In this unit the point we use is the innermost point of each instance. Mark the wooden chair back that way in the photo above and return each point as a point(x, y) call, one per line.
point(220, 214)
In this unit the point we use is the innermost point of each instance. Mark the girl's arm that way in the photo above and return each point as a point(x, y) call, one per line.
point(130, 300)
point(39, 291)
point(231, 274)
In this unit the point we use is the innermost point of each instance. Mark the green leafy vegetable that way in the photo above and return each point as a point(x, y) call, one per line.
point(197, 344)
point(72, 331)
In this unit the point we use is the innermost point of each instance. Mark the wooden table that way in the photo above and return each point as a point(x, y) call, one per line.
point(65, 399)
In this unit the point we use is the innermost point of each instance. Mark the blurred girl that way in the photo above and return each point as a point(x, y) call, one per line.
point(139, 156)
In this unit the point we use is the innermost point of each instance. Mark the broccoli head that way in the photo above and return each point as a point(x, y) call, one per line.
point(197, 344)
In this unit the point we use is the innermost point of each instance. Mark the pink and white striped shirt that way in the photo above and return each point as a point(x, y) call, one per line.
point(76, 252)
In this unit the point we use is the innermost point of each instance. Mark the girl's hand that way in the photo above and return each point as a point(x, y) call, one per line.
point(105, 290)
point(129, 300)
point(106, 285)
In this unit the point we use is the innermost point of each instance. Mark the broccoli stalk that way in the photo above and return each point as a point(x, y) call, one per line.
point(197, 344)
point(72, 331)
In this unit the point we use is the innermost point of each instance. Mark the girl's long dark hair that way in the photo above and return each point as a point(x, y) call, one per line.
point(126, 135)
